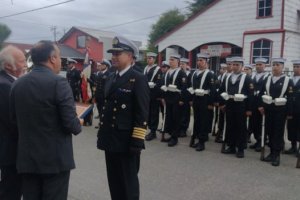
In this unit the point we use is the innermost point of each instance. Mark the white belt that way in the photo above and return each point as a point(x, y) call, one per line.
point(235, 97)
point(201, 92)
point(277, 101)
point(151, 84)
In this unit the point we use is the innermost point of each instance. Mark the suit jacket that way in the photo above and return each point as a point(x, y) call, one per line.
point(8, 133)
point(125, 112)
point(43, 106)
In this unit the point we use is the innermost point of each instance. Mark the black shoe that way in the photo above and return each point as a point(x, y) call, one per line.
point(200, 146)
point(163, 139)
point(292, 150)
point(269, 158)
point(96, 127)
point(276, 161)
point(182, 134)
point(218, 140)
point(258, 148)
point(195, 145)
point(240, 154)
point(253, 146)
point(172, 142)
point(229, 150)
point(150, 136)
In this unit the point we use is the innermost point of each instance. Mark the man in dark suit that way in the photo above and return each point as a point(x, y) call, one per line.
point(12, 64)
point(124, 122)
point(42, 104)
point(74, 78)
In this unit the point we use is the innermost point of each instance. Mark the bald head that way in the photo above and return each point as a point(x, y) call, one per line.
point(12, 60)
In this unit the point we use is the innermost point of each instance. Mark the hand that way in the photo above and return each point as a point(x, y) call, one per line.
point(181, 103)
point(210, 107)
point(163, 102)
point(261, 110)
point(248, 113)
point(135, 150)
point(191, 103)
point(289, 117)
point(216, 104)
point(81, 121)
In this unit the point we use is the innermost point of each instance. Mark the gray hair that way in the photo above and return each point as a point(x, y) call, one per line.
point(6, 56)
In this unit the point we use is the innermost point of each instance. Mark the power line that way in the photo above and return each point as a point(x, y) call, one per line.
point(32, 10)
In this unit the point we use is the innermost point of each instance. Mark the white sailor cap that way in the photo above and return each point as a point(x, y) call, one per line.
point(223, 65)
point(228, 59)
point(121, 43)
point(185, 60)
point(203, 55)
point(296, 62)
point(174, 55)
point(237, 59)
point(278, 60)
point(165, 64)
point(151, 54)
point(70, 60)
point(106, 62)
point(248, 66)
point(261, 60)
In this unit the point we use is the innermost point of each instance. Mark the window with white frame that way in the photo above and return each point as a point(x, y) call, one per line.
point(261, 48)
point(264, 8)
point(81, 41)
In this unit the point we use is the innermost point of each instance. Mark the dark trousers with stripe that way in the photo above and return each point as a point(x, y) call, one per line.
point(294, 128)
point(186, 113)
point(202, 122)
point(173, 118)
point(122, 173)
point(10, 183)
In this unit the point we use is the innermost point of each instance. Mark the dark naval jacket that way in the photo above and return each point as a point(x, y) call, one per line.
point(155, 78)
point(125, 112)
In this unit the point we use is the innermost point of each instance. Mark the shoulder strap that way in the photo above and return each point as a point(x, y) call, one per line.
point(154, 73)
point(203, 78)
point(285, 86)
point(268, 84)
point(175, 75)
point(226, 84)
point(192, 79)
point(242, 81)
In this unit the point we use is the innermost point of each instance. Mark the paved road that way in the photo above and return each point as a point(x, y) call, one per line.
point(181, 173)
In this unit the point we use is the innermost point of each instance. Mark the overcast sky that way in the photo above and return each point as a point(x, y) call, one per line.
point(98, 14)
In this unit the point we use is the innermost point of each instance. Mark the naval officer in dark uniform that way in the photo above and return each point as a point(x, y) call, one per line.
point(294, 123)
point(174, 86)
point(74, 79)
point(276, 105)
point(202, 88)
point(124, 122)
point(258, 78)
point(154, 76)
point(237, 96)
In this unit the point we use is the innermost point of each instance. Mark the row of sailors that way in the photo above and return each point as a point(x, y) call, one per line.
point(269, 99)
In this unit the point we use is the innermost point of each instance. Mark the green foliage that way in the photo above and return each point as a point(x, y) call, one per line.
point(165, 23)
point(4, 33)
point(196, 5)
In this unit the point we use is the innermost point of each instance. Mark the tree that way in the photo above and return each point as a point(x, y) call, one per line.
point(196, 5)
point(4, 33)
point(165, 23)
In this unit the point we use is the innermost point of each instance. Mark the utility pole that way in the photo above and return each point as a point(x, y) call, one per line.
point(54, 30)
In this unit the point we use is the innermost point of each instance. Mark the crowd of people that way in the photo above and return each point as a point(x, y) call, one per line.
point(38, 116)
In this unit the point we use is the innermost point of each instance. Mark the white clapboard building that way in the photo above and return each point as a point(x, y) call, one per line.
point(248, 28)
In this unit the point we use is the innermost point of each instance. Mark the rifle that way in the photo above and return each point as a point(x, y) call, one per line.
point(298, 160)
point(164, 121)
point(224, 132)
point(213, 122)
point(193, 137)
point(262, 153)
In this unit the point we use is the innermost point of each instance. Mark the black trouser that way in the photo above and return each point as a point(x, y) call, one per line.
point(122, 173)
point(75, 90)
point(274, 127)
point(221, 122)
point(46, 186)
point(294, 128)
point(100, 104)
point(153, 118)
point(256, 124)
point(236, 135)
point(10, 183)
point(173, 119)
point(201, 120)
point(186, 113)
